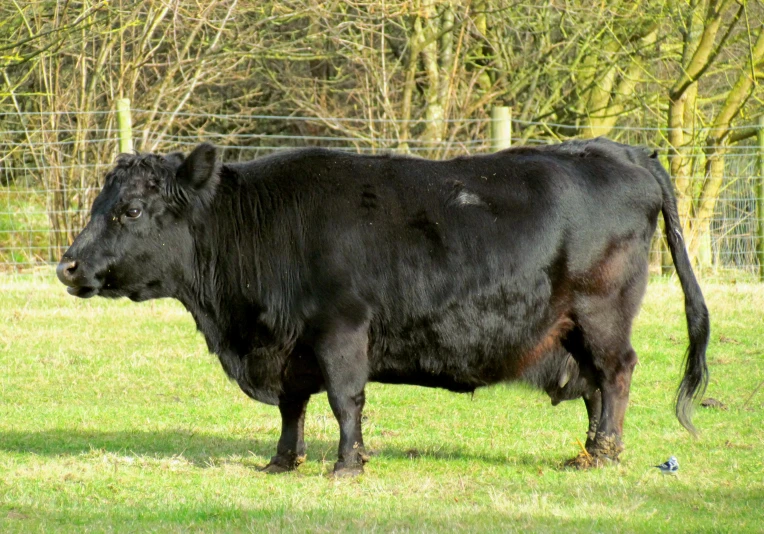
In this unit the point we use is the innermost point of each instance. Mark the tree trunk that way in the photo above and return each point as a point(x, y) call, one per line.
point(715, 149)
point(700, 49)
point(433, 131)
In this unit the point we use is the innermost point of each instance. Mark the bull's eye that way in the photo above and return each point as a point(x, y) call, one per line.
point(133, 213)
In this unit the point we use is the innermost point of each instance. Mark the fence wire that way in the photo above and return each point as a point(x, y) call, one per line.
point(51, 168)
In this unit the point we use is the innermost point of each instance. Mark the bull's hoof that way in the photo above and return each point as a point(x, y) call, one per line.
point(605, 447)
point(600, 451)
point(343, 470)
point(588, 461)
point(280, 464)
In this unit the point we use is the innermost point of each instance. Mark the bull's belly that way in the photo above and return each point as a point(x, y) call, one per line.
point(481, 341)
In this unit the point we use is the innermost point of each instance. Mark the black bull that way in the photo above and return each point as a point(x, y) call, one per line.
point(321, 270)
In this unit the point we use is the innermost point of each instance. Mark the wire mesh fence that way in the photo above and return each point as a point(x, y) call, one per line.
point(52, 166)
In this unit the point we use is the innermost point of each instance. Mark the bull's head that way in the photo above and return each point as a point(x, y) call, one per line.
point(138, 239)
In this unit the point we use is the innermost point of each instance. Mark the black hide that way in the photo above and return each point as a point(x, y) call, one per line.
point(322, 270)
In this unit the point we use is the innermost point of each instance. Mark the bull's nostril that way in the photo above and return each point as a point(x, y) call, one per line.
point(66, 270)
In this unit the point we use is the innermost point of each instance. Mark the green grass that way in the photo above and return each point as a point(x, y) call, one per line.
point(25, 233)
point(113, 417)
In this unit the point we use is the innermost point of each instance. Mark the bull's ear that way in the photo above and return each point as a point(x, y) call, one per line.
point(569, 371)
point(198, 171)
point(175, 159)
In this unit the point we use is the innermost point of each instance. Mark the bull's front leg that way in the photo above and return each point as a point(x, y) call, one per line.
point(290, 451)
point(341, 352)
point(593, 403)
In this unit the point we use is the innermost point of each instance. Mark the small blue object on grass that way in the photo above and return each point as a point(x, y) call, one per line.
point(670, 467)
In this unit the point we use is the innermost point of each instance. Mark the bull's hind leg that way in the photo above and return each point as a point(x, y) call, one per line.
point(290, 451)
point(606, 408)
point(602, 338)
point(615, 386)
point(342, 356)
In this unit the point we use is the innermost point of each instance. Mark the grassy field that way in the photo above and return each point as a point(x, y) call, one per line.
point(113, 417)
point(24, 226)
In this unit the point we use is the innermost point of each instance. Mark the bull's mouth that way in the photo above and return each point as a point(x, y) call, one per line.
point(83, 292)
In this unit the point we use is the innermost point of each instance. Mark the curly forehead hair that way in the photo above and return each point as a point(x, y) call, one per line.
point(156, 168)
point(148, 164)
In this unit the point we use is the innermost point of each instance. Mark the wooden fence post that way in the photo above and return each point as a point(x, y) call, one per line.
point(501, 128)
point(125, 125)
point(760, 199)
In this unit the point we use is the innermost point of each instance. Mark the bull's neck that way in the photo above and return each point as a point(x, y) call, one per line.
point(234, 280)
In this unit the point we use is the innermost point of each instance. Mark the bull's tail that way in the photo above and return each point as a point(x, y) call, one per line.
point(695, 377)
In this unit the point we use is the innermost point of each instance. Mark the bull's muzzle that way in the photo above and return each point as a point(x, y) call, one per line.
point(70, 274)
